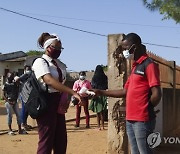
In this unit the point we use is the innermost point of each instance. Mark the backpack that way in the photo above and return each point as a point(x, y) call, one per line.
point(34, 97)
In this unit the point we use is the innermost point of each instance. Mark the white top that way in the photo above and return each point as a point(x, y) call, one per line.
point(41, 68)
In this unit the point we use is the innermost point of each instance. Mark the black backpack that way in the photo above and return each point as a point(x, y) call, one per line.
point(34, 97)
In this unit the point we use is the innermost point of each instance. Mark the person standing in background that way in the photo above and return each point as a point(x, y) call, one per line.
point(11, 91)
point(24, 113)
point(99, 104)
point(51, 125)
point(142, 92)
point(78, 84)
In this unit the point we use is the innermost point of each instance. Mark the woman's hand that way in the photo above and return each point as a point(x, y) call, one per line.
point(78, 97)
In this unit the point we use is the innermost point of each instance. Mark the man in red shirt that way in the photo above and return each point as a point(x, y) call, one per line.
point(142, 92)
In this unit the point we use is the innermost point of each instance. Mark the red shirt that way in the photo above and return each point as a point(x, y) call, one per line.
point(138, 87)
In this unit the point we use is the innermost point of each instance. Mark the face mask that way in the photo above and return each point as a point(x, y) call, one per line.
point(53, 53)
point(127, 55)
point(81, 77)
point(27, 71)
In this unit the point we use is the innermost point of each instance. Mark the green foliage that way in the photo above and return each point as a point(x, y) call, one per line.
point(169, 8)
point(1, 101)
point(105, 68)
point(34, 53)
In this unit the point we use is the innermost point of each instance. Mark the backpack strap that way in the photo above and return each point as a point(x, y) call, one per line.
point(41, 58)
point(48, 66)
point(45, 61)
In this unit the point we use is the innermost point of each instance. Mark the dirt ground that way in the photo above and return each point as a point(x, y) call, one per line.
point(80, 141)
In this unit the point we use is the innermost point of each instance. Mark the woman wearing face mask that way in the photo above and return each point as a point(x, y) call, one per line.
point(24, 113)
point(51, 125)
point(82, 82)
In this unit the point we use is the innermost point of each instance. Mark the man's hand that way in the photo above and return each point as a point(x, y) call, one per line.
point(110, 93)
point(95, 92)
point(156, 95)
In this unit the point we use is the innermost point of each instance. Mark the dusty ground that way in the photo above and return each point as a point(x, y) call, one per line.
point(80, 141)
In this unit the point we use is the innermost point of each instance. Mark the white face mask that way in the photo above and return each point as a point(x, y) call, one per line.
point(27, 71)
point(127, 55)
point(81, 77)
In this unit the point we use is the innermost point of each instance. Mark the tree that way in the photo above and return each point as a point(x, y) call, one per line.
point(169, 8)
point(34, 52)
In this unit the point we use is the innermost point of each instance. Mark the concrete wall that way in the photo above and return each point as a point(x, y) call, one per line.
point(12, 66)
point(117, 139)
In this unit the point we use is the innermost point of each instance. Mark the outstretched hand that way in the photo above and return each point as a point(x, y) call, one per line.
point(96, 92)
point(78, 97)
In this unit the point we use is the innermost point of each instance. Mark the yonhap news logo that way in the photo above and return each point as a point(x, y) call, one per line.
point(154, 139)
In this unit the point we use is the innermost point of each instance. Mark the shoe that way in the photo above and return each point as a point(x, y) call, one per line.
point(23, 132)
point(87, 126)
point(11, 133)
point(76, 126)
point(27, 127)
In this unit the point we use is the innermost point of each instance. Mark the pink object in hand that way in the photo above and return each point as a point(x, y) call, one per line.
point(63, 103)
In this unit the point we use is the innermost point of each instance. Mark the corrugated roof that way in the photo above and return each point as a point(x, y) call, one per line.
point(20, 56)
point(13, 56)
